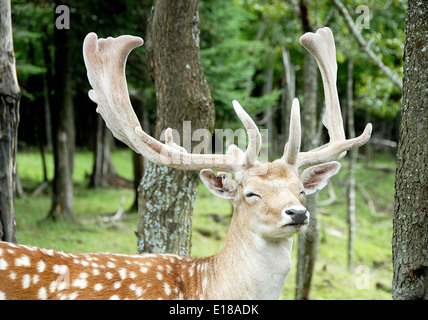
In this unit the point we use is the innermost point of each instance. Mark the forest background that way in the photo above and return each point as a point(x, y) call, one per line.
point(250, 52)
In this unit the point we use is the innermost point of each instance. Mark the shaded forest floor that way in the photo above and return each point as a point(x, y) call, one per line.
point(370, 279)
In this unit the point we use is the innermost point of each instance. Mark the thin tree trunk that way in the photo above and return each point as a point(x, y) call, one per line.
point(167, 195)
point(351, 206)
point(9, 118)
point(272, 150)
point(63, 128)
point(410, 235)
point(289, 92)
point(308, 242)
point(103, 166)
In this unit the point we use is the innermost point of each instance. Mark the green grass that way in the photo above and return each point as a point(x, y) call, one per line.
point(371, 278)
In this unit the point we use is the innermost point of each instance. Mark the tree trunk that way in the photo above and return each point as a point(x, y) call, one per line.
point(63, 130)
point(352, 162)
point(103, 165)
point(167, 195)
point(308, 242)
point(9, 118)
point(410, 236)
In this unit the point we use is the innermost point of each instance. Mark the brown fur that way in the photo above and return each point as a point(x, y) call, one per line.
point(96, 275)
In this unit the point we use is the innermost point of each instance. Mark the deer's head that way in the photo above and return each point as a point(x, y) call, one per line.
point(269, 194)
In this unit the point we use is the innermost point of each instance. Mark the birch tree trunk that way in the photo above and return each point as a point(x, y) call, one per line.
point(167, 195)
point(9, 118)
point(410, 236)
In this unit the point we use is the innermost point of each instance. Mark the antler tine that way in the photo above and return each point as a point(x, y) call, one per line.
point(321, 45)
point(292, 148)
point(105, 60)
point(254, 137)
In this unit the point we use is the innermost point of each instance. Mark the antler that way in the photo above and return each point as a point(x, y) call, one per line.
point(321, 45)
point(105, 60)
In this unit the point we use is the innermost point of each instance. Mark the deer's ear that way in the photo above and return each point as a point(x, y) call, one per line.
point(221, 185)
point(316, 177)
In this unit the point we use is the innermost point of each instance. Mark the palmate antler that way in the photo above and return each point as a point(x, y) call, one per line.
point(321, 45)
point(105, 61)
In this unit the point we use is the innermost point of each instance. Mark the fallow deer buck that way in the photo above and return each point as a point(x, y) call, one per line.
point(256, 257)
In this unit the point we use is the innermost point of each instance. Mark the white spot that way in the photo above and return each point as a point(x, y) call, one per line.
point(52, 286)
point(138, 291)
point(1, 252)
point(159, 276)
point(3, 264)
point(80, 283)
point(132, 275)
point(12, 275)
point(122, 273)
point(142, 269)
point(42, 294)
point(204, 283)
point(83, 275)
point(36, 278)
point(160, 268)
point(114, 297)
point(98, 287)
point(49, 252)
point(85, 263)
point(167, 289)
point(26, 281)
point(73, 295)
point(2, 296)
point(187, 67)
point(11, 244)
point(61, 269)
point(41, 266)
point(95, 272)
point(117, 284)
point(109, 275)
point(111, 264)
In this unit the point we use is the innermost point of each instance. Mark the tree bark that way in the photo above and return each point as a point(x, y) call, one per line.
point(410, 235)
point(308, 242)
point(63, 129)
point(103, 165)
point(167, 195)
point(9, 118)
point(351, 205)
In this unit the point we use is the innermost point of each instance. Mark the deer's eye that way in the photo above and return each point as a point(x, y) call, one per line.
point(302, 194)
point(252, 194)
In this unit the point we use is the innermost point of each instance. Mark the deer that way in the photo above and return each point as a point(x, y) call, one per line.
point(267, 197)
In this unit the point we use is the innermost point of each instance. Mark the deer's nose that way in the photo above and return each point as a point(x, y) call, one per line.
point(298, 215)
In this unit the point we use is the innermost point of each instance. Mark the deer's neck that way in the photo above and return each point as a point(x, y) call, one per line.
point(248, 266)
